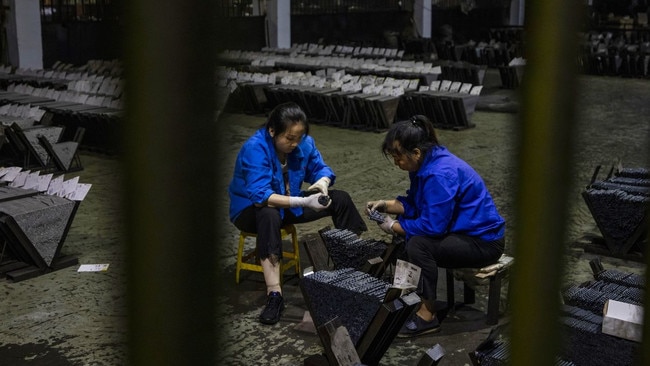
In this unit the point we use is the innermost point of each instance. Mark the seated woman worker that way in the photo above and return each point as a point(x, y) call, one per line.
point(265, 193)
point(448, 217)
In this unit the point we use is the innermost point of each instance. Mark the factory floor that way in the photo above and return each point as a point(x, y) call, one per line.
point(68, 317)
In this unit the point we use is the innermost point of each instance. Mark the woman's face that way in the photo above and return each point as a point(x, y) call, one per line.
point(406, 161)
point(287, 141)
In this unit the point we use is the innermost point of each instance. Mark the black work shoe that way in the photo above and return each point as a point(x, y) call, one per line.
point(273, 310)
point(416, 326)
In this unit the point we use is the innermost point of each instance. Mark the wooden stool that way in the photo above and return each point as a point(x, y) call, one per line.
point(290, 259)
point(493, 273)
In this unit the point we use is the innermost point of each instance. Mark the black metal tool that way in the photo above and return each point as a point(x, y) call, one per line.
point(374, 215)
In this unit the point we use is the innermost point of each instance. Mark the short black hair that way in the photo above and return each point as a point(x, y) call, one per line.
point(285, 115)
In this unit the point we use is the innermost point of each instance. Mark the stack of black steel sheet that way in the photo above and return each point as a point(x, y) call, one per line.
point(618, 204)
point(33, 227)
point(609, 285)
point(333, 106)
point(585, 344)
point(363, 304)
point(581, 321)
point(348, 250)
point(446, 109)
point(351, 295)
point(511, 76)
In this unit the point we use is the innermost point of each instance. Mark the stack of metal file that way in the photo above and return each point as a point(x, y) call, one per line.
point(618, 204)
point(33, 227)
point(371, 312)
point(348, 250)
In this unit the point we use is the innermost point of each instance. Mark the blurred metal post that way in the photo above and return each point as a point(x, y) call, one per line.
point(545, 160)
point(170, 158)
point(644, 354)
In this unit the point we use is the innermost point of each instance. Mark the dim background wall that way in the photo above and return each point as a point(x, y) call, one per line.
point(78, 42)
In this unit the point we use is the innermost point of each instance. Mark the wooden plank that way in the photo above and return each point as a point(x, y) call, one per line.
point(317, 253)
point(24, 273)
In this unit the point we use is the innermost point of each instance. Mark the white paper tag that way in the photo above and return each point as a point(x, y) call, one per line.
point(406, 274)
point(31, 182)
point(44, 182)
point(79, 192)
point(69, 186)
point(343, 348)
point(476, 90)
point(56, 186)
point(20, 179)
point(93, 267)
point(465, 88)
point(11, 173)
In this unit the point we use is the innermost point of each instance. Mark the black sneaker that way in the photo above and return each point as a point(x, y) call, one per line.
point(273, 310)
point(416, 326)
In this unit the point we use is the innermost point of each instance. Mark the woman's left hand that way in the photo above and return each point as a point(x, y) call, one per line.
point(321, 186)
point(387, 225)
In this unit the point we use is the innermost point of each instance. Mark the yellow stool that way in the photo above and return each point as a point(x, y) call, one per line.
point(290, 259)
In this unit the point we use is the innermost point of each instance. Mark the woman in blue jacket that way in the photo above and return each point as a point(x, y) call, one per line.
point(447, 217)
point(265, 192)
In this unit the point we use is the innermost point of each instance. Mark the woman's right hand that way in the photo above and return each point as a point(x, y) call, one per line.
point(379, 206)
point(312, 201)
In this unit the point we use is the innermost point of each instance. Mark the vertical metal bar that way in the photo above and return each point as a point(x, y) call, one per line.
point(169, 155)
point(644, 353)
point(544, 166)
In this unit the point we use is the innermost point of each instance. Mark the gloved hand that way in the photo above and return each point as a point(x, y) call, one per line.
point(387, 225)
point(311, 201)
point(321, 185)
point(379, 206)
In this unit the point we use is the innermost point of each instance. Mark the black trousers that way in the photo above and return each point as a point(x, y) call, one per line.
point(452, 251)
point(266, 221)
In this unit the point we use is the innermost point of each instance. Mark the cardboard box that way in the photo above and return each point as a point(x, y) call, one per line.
point(623, 320)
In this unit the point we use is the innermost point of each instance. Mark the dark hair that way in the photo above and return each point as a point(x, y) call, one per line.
point(285, 115)
point(414, 133)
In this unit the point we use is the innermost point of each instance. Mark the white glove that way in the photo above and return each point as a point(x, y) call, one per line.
point(387, 225)
point(321, 185)
point(311, 201)
point(379, 206)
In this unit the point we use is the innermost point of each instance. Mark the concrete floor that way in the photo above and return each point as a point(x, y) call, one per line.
point(71, 318)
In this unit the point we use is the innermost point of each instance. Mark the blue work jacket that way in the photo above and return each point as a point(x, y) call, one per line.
point(446, 196)
point(258, 173)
